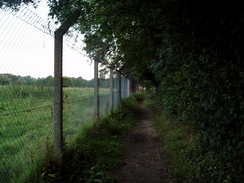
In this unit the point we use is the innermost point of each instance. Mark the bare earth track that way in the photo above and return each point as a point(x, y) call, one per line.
point(143, 162)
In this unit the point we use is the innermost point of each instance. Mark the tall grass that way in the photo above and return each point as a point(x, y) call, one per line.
point(26, 128)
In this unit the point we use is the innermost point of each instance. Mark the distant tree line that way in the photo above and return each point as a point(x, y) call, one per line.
point(10, 79)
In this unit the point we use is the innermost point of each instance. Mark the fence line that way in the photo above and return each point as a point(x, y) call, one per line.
point(34, 114)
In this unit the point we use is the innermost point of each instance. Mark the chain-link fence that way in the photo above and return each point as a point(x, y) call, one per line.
point(27, 105)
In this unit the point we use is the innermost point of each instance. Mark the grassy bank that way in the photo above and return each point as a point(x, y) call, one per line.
point(96, 152)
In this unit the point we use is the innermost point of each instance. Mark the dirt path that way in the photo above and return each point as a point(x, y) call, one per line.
point(143, 162)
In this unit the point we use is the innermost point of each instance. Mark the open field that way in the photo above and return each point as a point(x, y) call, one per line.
point(26, 129)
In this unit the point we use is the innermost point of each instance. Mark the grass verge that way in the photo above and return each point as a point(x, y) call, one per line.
point(96, 152)
point(179, 144)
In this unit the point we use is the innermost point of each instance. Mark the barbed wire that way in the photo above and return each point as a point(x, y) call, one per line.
point(30, 17)
point(46, 25)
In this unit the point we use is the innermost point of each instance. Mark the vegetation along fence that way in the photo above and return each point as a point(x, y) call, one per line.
point(40, 110)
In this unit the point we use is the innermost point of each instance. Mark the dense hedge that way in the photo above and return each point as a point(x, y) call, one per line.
point(201, 77)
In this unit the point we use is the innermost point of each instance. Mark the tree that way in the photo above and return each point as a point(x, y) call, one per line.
point(127, 32)
point(67, 82)
point(4, 80)
point(78, 82)
point(15, 4)
point(49, 81)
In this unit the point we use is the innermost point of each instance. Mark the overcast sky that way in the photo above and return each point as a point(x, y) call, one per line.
point(25, 50)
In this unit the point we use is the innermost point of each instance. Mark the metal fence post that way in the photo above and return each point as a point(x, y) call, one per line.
point(119, 87)
point(129, 81)
point(111, 84)
point(96, 90)
point(58, 67)
point(123, 86)
point(127, 87)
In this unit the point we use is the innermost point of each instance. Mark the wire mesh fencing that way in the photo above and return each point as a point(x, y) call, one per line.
point(108, 97)
point(26, 129)
point(78, 109)
point(26, 97)
point(27, 93)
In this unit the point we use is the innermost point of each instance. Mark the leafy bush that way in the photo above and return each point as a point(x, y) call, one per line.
point(140, 95)
point(191, 158)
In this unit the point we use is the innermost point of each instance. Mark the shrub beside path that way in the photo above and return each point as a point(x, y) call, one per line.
point(143, 161)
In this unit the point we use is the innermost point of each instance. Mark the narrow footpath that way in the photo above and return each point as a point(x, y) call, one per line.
point(143, 162)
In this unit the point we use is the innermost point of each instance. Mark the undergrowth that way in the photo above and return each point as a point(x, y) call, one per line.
point(188, 161)
point(97, 151)
point(178, 143)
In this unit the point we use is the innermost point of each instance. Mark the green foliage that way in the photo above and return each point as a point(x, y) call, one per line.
point(189, 160)
point(10, 79)
point(15, 4)
point(126, 106)
point(140, 95)
point(7, 79)
point(206, 93)
point(200, 77)
point(67, 82)
point(80, 82)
